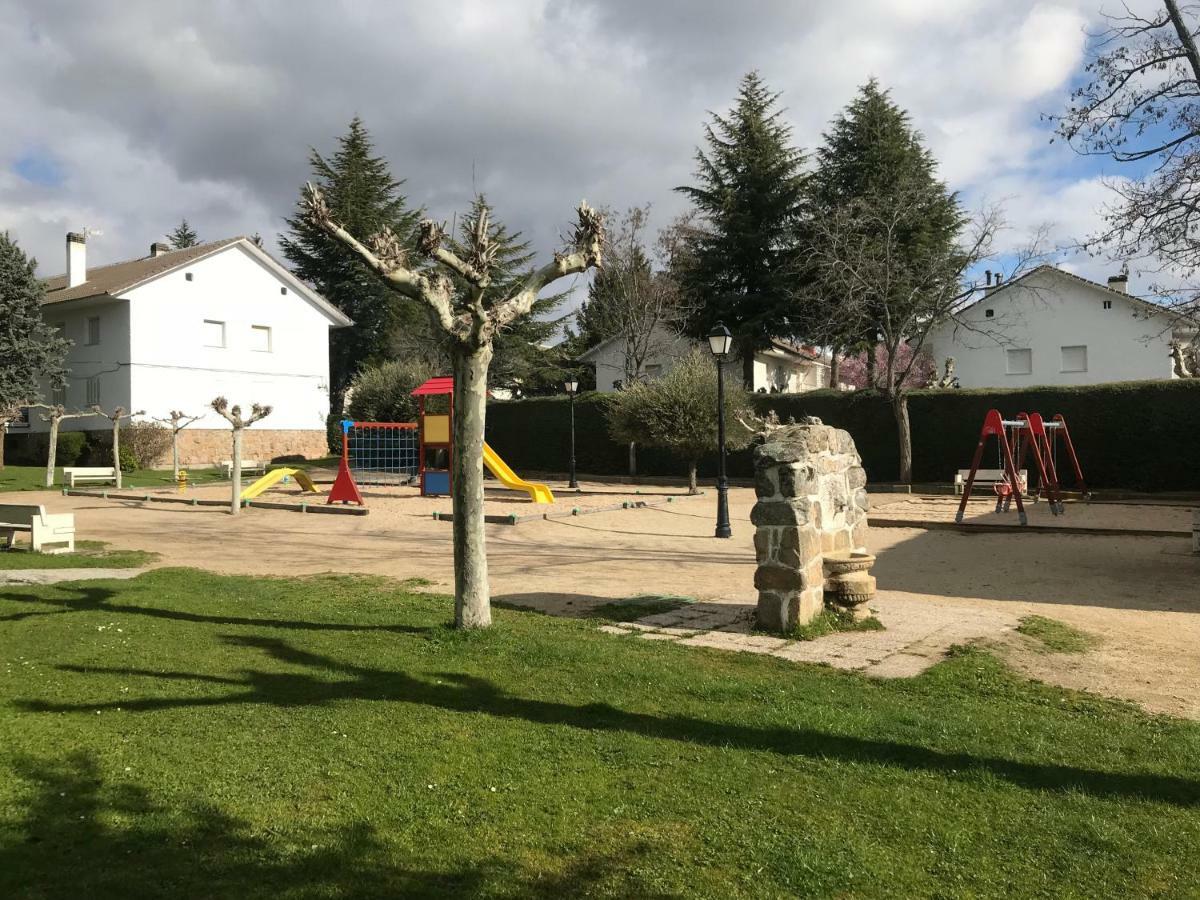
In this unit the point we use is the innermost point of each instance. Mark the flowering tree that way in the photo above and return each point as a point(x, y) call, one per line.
point(918, 368)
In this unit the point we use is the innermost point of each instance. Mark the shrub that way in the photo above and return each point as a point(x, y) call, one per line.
point(70, 447)
point(383, 393)
point(146, 443)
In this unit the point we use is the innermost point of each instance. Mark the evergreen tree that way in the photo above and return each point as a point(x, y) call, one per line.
point(183, 236)
point(362, 194)
point(750, 197)
point(29, 348)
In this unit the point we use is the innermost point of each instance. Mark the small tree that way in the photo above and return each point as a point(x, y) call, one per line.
point(383, 393)
point(55, 417)
point(29, 348)
point(678, 412)
point(177, 422)
point(183, 236)
point(465, 305)
point(234, 417)
point(115, 417)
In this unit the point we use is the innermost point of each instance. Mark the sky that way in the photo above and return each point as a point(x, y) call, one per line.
point(125, 116)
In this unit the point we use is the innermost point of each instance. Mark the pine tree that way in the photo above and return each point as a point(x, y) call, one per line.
point(183, 236)
point(30, 350)
point(362, 194)
point(750, 196)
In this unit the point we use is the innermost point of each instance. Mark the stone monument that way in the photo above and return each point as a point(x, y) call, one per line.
point(811, 524)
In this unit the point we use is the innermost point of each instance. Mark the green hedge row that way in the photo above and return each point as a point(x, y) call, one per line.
point(1139, 435)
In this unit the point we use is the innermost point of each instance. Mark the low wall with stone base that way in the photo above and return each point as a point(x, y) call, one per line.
point(201, 447)
point(812, 500)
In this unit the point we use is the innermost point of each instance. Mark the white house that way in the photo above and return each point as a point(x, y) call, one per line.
point(175, 329)
point(1049, 327)
point(781, 368)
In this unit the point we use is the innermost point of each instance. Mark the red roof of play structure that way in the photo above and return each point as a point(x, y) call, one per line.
point(443, 384)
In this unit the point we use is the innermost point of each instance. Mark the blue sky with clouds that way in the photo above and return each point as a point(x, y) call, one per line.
point(125, 117)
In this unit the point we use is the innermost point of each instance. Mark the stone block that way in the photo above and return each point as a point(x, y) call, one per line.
point(773, 452)
point(778, 578)
point(784, 512)
point(775, 611)
point(862, 500)
point(858, 534)
point(796, 480)
point(856, 477)
point(844, 442)
point(766, 482)
point(797, 546)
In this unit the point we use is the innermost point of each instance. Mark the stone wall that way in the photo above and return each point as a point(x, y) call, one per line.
point(202, 447)
point(812, 500)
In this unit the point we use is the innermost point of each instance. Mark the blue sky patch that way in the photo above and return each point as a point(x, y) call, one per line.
point(40, 168)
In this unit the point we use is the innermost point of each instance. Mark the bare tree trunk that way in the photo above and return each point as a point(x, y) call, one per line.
point(835, 363)
point(472, 596)
point(904, 434)
point(117, 450)
point(52, 452)
point(692, 488)
point(175, 455)
point(3, 436)
point(872, 375)
point(235, 501)
point(633, 459)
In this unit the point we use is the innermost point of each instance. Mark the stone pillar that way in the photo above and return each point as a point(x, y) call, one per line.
point(812, 501)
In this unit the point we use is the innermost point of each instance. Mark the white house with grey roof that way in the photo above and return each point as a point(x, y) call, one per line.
point(176, 328)
point(1051, 327)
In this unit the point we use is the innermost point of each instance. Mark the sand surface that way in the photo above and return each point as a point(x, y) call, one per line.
point(1140, 595)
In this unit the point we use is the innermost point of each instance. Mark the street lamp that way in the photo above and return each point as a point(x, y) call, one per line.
point(572, 386)
point(719, 341)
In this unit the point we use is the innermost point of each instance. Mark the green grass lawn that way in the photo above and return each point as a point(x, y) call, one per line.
point(87, 555)
point(192, 735)
point(33, 478)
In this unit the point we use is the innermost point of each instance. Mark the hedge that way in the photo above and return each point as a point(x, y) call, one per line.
point(1139, 435)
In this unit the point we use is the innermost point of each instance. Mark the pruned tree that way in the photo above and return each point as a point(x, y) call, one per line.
point(177, 421)
point(1140, 105)
point(239, 424)
point(115, 417)
point(470, 317)
point(678, 412)
point(905, 290)
point(56, 416)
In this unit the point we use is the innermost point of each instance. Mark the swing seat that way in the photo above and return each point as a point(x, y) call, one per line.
point(986, 477)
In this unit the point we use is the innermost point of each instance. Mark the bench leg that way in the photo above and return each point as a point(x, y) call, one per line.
point(9, 537)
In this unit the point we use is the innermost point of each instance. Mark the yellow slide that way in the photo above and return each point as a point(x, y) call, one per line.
point(538, 493)
point(274, 477)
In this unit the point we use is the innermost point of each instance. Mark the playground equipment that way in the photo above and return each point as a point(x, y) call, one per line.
point(274, 477)
point(436, 451)
point(1017, 440)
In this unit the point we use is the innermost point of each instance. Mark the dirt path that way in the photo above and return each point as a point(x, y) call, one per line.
point(1140, 595)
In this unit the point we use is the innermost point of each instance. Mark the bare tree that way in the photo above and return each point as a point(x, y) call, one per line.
point(1140, 105)
point(863, 253)
point(234, 417)
point(470, 318)
point(115, 417)
point(55, 417)
point(8, 415)
point(177, 421)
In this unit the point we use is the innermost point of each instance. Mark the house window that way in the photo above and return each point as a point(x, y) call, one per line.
point(1074, 359)
point(1108, 304)
point(653, 371)
point(1019, 362)
point(260, 338)
point(93, 391)
point(989, 313)
point(214, 333)
point(93, 330)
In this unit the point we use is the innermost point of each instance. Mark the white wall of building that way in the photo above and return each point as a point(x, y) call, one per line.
point(609, 360)
point(1069, 331)
point(174, 364)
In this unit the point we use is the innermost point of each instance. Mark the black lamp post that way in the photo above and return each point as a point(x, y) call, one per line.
point(719, 341)
point(572, 386)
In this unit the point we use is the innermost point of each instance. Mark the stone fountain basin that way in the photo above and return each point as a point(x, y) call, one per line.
point(846, 562)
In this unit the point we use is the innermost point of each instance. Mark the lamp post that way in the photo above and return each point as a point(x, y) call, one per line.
point(572, 386)
point(719, 341)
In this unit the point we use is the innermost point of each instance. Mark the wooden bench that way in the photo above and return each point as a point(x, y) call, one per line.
point(76, 474)
point(48, 534)
point(987, 478)
point(248, 466)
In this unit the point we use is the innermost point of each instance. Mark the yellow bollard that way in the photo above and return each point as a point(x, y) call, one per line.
point(182, 480)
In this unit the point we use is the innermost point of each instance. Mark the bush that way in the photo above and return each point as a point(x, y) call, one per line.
point(383, 393)
point(70, 447)
point(146, 443)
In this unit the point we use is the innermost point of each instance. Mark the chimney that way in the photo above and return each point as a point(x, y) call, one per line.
point(1119, 283)
point(158, 248)
point(76, 259)
point(988, 274)
point(999, 278)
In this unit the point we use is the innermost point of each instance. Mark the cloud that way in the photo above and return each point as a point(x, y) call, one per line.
point(156, 111)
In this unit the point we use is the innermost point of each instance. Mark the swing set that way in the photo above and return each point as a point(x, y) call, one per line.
point(1017, 440)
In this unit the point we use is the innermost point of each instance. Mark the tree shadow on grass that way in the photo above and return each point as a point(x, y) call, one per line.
point(99, 599)
point(80, 837)
point(456, 692)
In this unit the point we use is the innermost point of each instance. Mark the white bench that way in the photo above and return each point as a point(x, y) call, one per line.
point(57, 532)
point(248, 466)
point(988, 478)
point(77, 474)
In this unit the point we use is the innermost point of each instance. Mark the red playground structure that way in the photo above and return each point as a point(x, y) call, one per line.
point(1028, 435)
